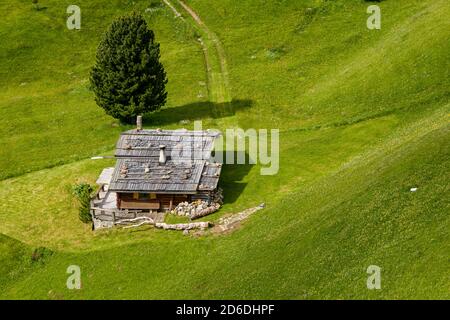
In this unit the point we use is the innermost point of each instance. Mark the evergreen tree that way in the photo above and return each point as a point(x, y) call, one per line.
point(128, 79)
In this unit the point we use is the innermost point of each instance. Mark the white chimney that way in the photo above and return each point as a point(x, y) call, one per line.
point(162, 154)
point(139, 123)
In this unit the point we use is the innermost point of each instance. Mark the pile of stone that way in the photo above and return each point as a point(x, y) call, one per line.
point(139, 221)
point(199, 208)
point(102, 224)
point(205, 210)
point(183, 209)
point(226, 223)
point(195, 209)
point(183, 226)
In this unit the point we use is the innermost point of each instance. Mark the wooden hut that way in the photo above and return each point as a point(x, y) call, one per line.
point(157, 169)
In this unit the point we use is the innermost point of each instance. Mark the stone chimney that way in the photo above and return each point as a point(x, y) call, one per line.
point(162, 154)
point(139, 123)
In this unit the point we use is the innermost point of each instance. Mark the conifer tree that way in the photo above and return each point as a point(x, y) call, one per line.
point(128, 79)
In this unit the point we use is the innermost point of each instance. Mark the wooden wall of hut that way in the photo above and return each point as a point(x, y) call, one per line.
point(150, 201)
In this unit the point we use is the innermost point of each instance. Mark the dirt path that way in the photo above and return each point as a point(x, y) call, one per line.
point(229, 222)
point(214, 54)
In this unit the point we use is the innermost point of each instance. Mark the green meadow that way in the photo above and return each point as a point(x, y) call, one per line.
point(363, 118)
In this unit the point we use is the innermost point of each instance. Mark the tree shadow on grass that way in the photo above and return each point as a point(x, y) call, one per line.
point(195, 111)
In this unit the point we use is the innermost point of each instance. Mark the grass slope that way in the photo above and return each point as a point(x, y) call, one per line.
point(48, 113)
point(367, 215)
point(319, 65)
point(363, 117)
point(17, 260)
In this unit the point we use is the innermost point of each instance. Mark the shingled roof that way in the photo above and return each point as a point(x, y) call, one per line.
point(182, 144)
point(187, 170)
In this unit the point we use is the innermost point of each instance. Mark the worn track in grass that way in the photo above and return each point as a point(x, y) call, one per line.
point(215, 59)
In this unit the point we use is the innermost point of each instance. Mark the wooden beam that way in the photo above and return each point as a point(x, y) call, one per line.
point(171, 203)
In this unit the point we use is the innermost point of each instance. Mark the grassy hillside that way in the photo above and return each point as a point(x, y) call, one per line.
point(12, 259)
point(17, 260)
point(48, 113)
point(297, 249)
point(363, 117)
point(318, 64)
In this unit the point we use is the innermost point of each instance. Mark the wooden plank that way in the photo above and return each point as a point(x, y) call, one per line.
point(129, 204)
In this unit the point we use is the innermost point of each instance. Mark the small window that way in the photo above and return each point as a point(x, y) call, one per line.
point(135, 196)
point(152, 195)
point(144, 196)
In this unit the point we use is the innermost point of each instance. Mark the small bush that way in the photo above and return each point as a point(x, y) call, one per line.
point(83, 193)
point(40, 254)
